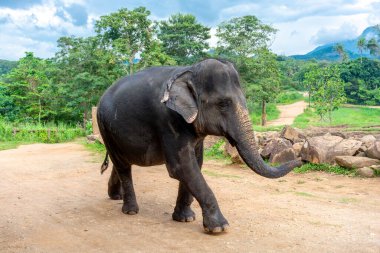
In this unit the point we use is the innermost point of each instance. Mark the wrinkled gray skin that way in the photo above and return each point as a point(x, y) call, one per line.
point(162, 115)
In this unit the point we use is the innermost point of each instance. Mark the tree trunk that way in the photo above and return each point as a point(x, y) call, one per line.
point(263, 113)
point(39, 112)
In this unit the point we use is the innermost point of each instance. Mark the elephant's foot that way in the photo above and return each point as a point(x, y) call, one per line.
point(215, 223)
point(130, 208)
point(184, 214)
point(115, 193)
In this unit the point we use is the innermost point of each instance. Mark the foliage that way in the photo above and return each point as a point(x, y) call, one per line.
point(342, 53)
point(334, 169)
point(289, 97)
point(255, 111)
point(327, 89)
point(46, 133)
point(84, 69)
point(362, 80)
point(215, 152)
point(242, 37)
point(29, 89)
point(127, 32)
point(7, 66)
point(183, 38)
point(373, 47)
point(155, 56)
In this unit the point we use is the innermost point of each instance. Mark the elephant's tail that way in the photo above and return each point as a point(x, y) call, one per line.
point(105, 164)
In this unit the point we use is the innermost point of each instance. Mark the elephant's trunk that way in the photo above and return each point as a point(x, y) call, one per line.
point(248, 150)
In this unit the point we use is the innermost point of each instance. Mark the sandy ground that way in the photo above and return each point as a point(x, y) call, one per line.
point(288, 113)
point(53, 199)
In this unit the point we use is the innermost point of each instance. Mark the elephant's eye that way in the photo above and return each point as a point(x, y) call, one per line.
point(224, 104)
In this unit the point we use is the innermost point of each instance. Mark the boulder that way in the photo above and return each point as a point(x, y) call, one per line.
point(360, 154)
point(283, 156)
point(94, 137)
point(275, 146)
point(368, 140)
point(297, 148)
point(365, 172)
point(374, 150)
point(292, 134)
point(375, 168)
point(355, 162)
point(346, 147)
point(317, 149)
point(262, 138)
point(233, 153)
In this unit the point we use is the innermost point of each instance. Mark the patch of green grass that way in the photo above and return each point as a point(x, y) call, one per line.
point(96, 147)
point(4, 145)
point(289, 97)
point(216, 151)
point(255, 112)
point(32, 133)
point(308, 167)
point(216, 174)
point(300, 182)
point(305, 194)
point(353, 117)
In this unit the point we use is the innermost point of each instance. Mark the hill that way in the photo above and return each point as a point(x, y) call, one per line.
point(327, 51)
point(6, 66)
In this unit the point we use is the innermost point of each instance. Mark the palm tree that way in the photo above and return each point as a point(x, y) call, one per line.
point(373, 47)
point(340, 50)
point(361, 44)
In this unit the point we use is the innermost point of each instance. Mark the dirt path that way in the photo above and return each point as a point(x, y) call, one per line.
point(288, 113)
point(53, 199)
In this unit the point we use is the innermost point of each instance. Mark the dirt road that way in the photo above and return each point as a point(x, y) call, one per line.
point(53, 199)
point(288, 113)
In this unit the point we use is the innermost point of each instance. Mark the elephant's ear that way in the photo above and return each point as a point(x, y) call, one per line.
point(180, 95)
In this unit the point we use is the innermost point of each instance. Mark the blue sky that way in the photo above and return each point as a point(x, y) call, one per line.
point(35, 25)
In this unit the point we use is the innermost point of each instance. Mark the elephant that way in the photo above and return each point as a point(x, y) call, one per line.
point(161, 115)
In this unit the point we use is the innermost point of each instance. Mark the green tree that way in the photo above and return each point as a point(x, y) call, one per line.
point(373, 47)
point(84, 70)
point(242, 37)
point(128, 32)
point(261, 79)
point(183, 38)
point(361, 44)
point(30, 88)
point(342, 53)
point(328, 90)
point(155, 56)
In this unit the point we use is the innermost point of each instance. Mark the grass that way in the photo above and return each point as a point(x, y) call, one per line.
point(96, 147)
point(4, 145)
point(255, 109)
point(333, 169)
point(289, 97)
point(216, 151)
point(353, 117)
point(304, 194)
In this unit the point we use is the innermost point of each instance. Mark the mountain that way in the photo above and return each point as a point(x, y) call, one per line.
point(328, 52)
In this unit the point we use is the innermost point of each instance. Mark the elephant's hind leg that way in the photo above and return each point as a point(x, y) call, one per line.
point(128, 192)
point(182, 211)
point(114, 186)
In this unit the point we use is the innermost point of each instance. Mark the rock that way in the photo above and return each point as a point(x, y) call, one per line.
point(355, 162)
point(365, 172)
point(346, 147)
point(233, 153)
point(375, 167)
point(283, 156)
point(368, 140)
point(374, 150)
point(360, 154)
point(262, 138)
point(317, 149)
point(275, 146)
point(292, 134)
point(297, 148)
point(94, 137)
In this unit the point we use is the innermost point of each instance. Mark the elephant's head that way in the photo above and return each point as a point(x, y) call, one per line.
point(209, 96)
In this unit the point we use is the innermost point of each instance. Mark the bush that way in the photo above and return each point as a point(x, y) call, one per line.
point(45, 133)
point(289, 97)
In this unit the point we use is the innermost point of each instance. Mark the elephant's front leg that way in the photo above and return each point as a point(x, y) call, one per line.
point(182, 211)
point(183, 166)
